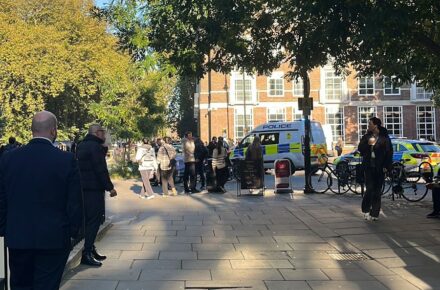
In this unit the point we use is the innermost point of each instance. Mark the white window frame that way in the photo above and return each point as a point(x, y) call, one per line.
point(237, 76)
point(367, 88)
point(361, 131)
point(387, 123)
point(334, 125)
point(275, 76)
point(250, 125)
point(297, 111)
point(419, 123)
point(417, 91)
point(392, 88)
point(298, 87)
point(282, 110)
point(323, 91)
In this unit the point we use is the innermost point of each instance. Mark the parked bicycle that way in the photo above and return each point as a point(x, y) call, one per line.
point(326, 177)
point(410, 184)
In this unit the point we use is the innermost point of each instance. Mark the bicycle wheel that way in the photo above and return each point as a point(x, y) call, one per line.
point(387, 184)
point(356, 187)
point(426, 171)
point(416, 191)
point(337, 185)
point(318, 179)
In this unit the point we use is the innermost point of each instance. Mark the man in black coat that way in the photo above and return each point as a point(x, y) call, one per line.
point(40, 207)
point(95, 180)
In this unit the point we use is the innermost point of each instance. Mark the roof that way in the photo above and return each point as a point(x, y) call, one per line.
point(399, 140)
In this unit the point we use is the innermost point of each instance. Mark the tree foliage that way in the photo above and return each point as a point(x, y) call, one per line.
point(181, 106)
point(395, 38)
point(55, 55)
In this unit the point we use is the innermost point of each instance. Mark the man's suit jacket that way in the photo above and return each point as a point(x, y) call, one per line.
point(40, 197)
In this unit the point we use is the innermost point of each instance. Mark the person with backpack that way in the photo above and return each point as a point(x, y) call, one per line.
point(167, 164)
point(146, 157)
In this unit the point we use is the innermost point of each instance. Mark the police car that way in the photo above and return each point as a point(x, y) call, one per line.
point(283, 140)
point(410, 152)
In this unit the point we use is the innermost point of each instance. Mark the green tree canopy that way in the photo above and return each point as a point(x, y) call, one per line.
point(394, 38)
point(55, 55)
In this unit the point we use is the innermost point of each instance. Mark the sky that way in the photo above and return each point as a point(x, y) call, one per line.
point(101, 3)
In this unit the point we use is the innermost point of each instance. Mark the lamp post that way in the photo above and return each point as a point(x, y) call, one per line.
point(244, 103)
point(307, 132)
point(209, 99)
point(227, 104)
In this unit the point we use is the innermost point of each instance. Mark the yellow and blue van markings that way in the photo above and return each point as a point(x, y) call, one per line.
point(317, 149)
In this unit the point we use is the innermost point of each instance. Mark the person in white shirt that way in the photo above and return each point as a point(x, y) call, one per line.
point(146, 157)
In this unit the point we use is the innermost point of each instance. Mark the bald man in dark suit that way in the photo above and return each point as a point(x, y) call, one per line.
point(40, 207)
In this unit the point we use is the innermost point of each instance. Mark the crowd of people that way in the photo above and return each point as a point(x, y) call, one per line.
point(207, 164)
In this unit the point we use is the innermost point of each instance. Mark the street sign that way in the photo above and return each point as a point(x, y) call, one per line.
point(305, 104)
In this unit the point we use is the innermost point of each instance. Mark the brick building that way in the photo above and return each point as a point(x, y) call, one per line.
point(345, 104)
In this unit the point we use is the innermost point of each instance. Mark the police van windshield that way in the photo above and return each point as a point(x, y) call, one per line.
point(269, 138)
point(247, 141)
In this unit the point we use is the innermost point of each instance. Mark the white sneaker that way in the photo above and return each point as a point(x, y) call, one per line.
point(374, 218)
point(366, 216)
point(149, 197)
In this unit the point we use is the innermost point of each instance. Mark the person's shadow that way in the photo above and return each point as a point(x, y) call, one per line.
point(136, 189)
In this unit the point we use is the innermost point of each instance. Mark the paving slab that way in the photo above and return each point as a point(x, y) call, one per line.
point(304, 274)
point(261, 264)
point(287, 285)
point(242, 284)
point(249, 274)
point(174, 275)
point(157, 264)
point(206, 264)
point(347, 285)
point(88, 285)
point(151, 285)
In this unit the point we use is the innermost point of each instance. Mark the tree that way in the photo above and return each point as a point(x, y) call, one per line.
point(181, 108)
point(55, 55)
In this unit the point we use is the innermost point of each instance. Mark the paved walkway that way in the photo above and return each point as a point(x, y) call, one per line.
point(210, 241)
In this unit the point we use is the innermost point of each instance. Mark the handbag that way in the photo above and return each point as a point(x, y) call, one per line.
point(173, 161)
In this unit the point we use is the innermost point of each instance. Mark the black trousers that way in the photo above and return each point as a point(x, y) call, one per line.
point(37, 269)
point(436, 199)
point(200, 170)
point(189, 176)
point(374, 178)
point(94, 207)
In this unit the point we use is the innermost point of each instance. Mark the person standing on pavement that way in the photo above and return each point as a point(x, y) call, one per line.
point(146, 157)
point(435, 190)
point(212, 145)
point(95, 180)
point(40, 207)
point(339, 146)
point(167, 164)
point(377, 153)
point(219, 165)
point(201, 153)
point(254, 153)
point(189, 176)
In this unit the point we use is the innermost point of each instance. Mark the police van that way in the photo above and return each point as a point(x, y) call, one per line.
point(284, 140)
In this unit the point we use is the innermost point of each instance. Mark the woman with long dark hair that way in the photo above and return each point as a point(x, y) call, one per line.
point(219, 165)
